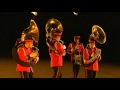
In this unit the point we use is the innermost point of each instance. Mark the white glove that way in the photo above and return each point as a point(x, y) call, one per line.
point(37, 58)
point(64, 47)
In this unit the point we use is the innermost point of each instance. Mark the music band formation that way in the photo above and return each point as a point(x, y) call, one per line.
point(26, 52)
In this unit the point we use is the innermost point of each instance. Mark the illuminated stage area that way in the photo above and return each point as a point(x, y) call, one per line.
point(13, 24)
point(42, 69)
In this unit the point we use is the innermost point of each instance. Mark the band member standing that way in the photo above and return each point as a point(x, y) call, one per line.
point(75, 48)
point(19, 44)
point(26, 54)
point(57, 58)
point(90, 52)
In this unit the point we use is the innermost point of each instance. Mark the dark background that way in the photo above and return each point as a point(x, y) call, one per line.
point(13, 23)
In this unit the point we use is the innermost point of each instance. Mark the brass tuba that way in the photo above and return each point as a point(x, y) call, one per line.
point(52, 25)
point(32, 32)
point(99, 35)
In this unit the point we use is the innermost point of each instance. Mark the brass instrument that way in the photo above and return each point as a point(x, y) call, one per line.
point(94, 56)
point(99, 35)
point(33, 32)
point(53, 25)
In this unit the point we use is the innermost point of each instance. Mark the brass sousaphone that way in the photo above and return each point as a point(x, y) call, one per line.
point(99, 35)
point(32, 32)
point(52, 25)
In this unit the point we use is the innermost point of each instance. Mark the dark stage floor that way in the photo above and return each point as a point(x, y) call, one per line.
point(42, 69)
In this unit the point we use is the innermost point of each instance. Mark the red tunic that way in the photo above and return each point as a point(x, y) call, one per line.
point(86, 54)
point(73, 46)
point(57, 60)
point(22, 53)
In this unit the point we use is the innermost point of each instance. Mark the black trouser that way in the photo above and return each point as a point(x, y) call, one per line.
point(57, 72)
point(90, 73)
point(26, 74)
point(76, 69)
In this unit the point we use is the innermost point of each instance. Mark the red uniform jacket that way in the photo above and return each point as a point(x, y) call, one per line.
point(73, 46)
point(57, 60)
point(86, 54)
point(23, 56)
